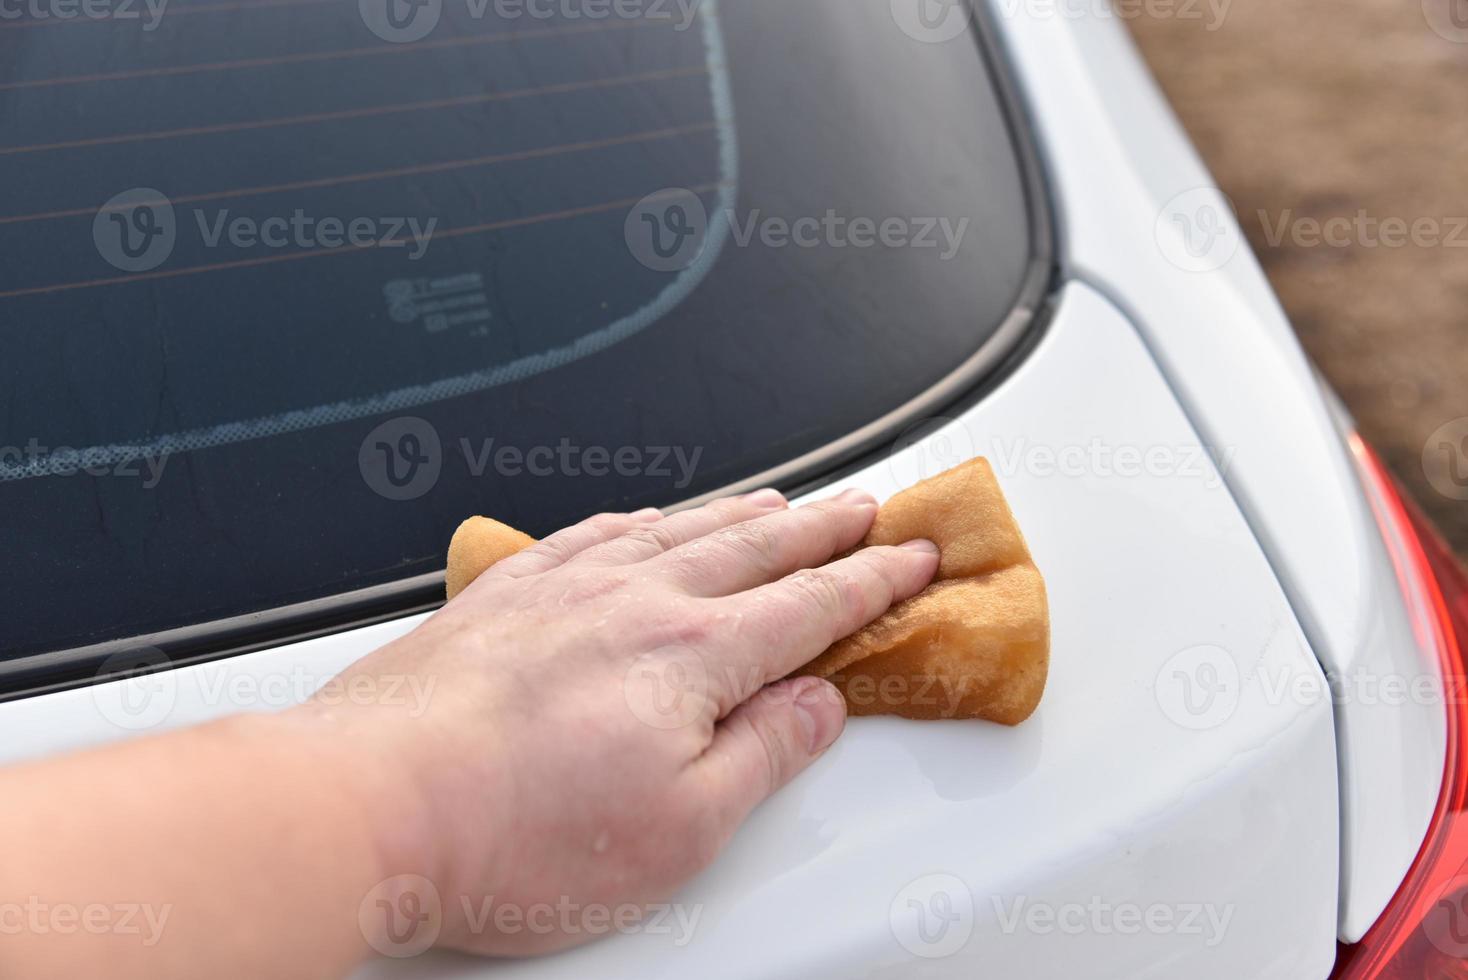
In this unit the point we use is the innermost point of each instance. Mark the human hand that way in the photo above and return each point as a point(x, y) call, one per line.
point(608, 705)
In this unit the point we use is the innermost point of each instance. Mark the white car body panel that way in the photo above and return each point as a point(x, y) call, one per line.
point(1125, 182)
point(1120, 803)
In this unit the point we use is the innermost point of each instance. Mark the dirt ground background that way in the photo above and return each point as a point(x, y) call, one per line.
point(1328, 108)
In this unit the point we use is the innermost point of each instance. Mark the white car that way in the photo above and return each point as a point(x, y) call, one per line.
point(573, 261)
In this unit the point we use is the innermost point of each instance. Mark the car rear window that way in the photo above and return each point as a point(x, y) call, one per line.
point(291, 287)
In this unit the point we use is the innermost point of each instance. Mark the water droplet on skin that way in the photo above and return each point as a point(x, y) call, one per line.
point(602, 842)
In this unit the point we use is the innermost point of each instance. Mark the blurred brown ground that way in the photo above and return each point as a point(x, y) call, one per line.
point(1322, 108)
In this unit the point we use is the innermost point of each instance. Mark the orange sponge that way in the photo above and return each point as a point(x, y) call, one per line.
point(974, 644)
point(478, 543)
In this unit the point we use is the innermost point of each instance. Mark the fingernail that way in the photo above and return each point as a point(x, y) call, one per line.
point(855, 496)
point(647, 514)
point(922, 544)
point(768, 497)
point(822, 712)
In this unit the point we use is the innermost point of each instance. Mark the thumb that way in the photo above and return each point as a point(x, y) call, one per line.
point(766, 741)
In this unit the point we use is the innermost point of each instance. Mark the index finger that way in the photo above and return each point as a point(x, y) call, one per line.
point(785, 625)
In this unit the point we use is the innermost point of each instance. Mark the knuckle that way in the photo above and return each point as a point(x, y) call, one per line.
point(884, 567)
point(686, 625)
point(775, 742)
point(825, 508)
point(607, 524)
point(729, 505)
point(556, 549)
point(658, 536)
point(752, 541)
point(584, 588)
point(833, 591)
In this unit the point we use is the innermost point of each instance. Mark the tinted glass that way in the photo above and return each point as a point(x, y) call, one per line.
point(292, 286)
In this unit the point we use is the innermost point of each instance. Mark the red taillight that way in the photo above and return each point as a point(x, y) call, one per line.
point(1424, 931)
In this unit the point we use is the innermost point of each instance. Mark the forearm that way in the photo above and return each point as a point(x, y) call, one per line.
point(240, 848)
point(539, 767)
